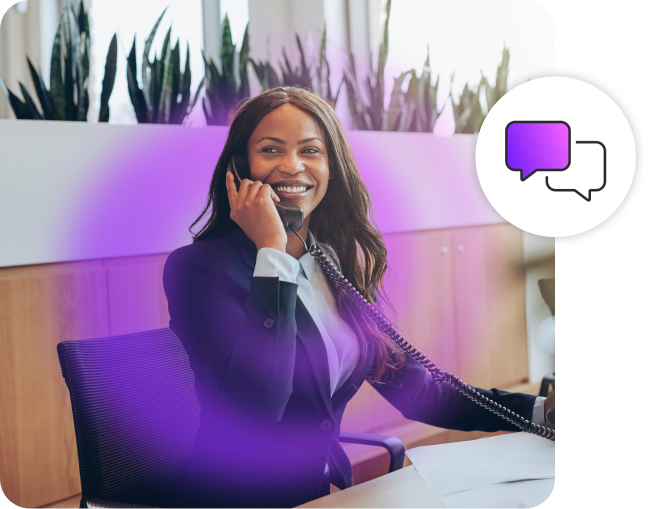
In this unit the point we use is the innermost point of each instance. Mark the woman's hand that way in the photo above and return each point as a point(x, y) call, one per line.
point(254, 211)
point(550, 411)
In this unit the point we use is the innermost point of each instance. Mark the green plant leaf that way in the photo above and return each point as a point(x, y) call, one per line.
point(110, 70)
point(147, 71)
point(82, 19)
point(19, 108)
point(31, 105)
point(41, 92)
point(195, 100)
point(164, 108)
point(136, 95)
point(84, 71)
point(57, 91)
point(244, 58)
point(176, 74)
point(228, 51)
point(396, 103)
point(259, 70)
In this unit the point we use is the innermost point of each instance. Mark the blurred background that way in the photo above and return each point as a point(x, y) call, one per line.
point(92, 200)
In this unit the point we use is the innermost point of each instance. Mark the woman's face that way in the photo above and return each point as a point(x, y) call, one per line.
point(288, 151)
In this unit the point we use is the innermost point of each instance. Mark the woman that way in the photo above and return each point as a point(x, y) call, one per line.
point(276, 350)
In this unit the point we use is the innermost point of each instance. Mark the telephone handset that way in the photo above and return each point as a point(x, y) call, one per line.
point(292, 218)
point(291, 215)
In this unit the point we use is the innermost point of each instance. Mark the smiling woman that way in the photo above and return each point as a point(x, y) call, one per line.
point(276, 349)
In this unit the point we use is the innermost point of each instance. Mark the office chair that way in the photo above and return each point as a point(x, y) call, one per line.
point(136, 415)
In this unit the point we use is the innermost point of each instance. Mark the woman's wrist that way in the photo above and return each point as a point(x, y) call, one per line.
point(272, 245)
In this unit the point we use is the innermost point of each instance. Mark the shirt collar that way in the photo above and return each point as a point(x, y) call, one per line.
point(307, 261)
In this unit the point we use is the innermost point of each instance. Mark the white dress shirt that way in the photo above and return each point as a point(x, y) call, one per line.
point(340, 340)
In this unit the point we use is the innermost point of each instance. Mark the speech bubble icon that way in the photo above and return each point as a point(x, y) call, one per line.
point(587, 174)
point(537, 145)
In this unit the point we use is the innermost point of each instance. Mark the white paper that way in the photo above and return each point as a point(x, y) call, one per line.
point(450, 468)
point(514, 494)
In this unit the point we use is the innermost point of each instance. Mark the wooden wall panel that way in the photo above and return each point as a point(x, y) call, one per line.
point(490, 312)
point(136, 299)
point(42, 306)
point(419, 286)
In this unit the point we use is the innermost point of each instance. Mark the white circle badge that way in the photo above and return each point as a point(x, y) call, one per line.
point(555, 156)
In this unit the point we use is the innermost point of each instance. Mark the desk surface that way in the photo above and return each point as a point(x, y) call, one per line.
point(402, 488)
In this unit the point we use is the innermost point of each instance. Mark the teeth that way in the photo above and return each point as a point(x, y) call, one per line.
point(291, 189)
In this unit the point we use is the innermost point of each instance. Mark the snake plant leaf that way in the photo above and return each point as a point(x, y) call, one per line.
point(164, 108)
point(57, 92)
point(155, 88)
point(382, 52)
point(228, 55)
point(19, 108)
point(41, 92)
point(110, 70)
point(82, 20)
point(82, 86)
point(195, 100)
point(147, 71)
point(185, 77)
point(175, 81)
point(244, 58)
point(165, 82)
point(135, 93)
point(259, 70)
point(305, 69)
point(396, 101)
point(31, 105)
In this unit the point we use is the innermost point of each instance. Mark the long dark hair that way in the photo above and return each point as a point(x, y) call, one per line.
point(343, 219)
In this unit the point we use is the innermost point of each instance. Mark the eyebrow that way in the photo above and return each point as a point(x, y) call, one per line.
point(278, 140)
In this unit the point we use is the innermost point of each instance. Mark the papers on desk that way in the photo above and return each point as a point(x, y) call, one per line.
point(491, 468)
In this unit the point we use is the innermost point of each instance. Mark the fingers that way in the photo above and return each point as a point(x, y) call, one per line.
point(253, 190)
point(272, 194)
point(232, 192)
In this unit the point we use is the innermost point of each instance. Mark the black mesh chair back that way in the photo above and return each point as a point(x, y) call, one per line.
point(135, 413)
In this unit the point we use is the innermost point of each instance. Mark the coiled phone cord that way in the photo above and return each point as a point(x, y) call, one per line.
point(439, 376)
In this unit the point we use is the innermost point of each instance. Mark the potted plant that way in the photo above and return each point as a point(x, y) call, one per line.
point(67, 97)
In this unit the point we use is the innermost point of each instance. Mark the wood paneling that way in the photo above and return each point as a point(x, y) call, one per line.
point(489, 306)
point(136, 299)
point(42, 306)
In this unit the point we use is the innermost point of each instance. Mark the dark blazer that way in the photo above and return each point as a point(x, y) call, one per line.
point(268, 422)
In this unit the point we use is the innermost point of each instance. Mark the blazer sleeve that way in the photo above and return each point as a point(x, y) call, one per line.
point(241, 345)
point(418, 397)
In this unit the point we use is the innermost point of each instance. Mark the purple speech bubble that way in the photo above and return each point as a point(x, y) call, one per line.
point(537, 145)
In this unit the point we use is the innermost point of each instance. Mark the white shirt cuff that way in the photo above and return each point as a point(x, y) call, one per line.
point(538, 416)
point(273, 263)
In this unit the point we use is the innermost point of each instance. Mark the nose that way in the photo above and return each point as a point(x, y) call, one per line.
point(291, 164)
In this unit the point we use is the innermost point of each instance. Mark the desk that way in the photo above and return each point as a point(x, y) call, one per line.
point(402, 488)
point(495, 472)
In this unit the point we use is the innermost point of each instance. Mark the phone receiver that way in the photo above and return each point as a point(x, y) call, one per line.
point(290, 214)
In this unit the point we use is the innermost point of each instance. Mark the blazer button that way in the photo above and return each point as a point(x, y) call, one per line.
point(269, 322)
point(326, 425)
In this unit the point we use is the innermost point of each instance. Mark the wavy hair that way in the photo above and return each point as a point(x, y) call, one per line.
point(343, 219)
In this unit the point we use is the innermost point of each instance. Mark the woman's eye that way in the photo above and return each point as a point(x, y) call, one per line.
point(315, 151)
point(268, 149)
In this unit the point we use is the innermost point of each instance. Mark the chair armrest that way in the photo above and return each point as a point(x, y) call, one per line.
point(394, 446)
point(94, 502)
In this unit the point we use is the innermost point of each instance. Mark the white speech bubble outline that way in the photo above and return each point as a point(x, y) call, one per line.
point(587, 197)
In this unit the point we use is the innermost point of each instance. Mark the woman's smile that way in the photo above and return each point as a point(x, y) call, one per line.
point(291, 190)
